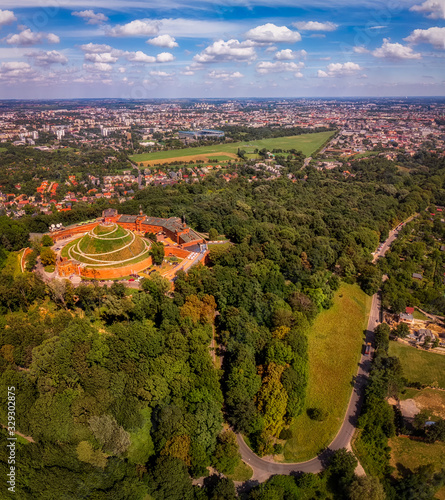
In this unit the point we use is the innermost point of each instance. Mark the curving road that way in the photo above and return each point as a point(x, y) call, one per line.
point(263, 469)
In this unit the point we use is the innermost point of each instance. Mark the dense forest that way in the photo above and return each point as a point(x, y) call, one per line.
point(120, 392)
point(418, 251)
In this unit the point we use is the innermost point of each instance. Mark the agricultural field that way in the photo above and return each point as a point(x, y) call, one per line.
point(428, 399)
point(335, 341)
point(307, 143)
point(420, 366)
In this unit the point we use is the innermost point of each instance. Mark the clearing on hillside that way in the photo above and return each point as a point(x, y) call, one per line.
point(420, 366)
point(335, 342)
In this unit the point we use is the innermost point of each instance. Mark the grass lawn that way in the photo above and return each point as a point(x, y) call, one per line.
point(12, 263)
point(2, 150)
point(409, 453)
point(50, 269)
point(420, 366)
point(335, 342)
point(307, 143)
point(418, 315)
point(242, 472)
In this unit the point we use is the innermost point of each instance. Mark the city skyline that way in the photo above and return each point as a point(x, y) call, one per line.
point(133, 49)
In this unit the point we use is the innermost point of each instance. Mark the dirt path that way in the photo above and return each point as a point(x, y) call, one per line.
point(28, 438)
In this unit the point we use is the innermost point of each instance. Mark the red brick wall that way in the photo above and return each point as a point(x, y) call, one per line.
point(72, 231)
point(179, 252)
point(116, 272)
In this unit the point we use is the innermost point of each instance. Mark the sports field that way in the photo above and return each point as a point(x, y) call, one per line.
point(335, 342)
point(420, 366)
point(307, 143)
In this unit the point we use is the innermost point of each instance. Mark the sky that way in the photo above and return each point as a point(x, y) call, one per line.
point(143, 49)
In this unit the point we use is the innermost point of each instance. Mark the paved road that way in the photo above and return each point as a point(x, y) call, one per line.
point(392, 236)
point(306, 162)
point(263, 469)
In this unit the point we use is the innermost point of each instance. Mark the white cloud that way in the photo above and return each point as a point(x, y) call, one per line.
point(187, 73)
point(285, 54)
point(98, 67)
point(315, 26)
point(434, 8)
point(197, 28)
point(339, 69)
point(221, 51)
point(139, 56)
point(6, 17)
point(160, 73)
point(288, 54)
point(91, 17)
point(224, 75)
point(44, 58)
point(435, 36)
point(96, 48)
point(265, 67)
point(104, 57)
point(16, 71)
point(361, 50)
point(139, 27)
point(122, 69)
point(52, 38)
point(271, 48)
point(270, 33)
point(163, 41)
point(28, 37)
point(395, 51)
point(165, 57)
point(13, 66)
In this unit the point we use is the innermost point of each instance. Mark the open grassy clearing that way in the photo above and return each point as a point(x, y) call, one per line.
point(12, 263)
point(418, 315)
point(429, 399)
point(408, 453)
point(242, 472)
point(307, 143)
point(335, 342)
point(2, 150)
point(420, 366)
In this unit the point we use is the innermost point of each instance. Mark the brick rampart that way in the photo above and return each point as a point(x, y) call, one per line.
point(179, 252)
point(72, 231)
point(115, 272)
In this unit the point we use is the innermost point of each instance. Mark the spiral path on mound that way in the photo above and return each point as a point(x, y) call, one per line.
point(92, 259)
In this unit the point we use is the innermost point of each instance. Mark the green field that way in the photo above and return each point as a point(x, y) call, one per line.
point(420, 366)
point(409, 453)
point(135, 252)
point(12, 264)
point(335, 342)
point(2, 150)
point(307, 143)
point(242, 472)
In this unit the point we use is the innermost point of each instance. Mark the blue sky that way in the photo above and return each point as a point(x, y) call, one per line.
point(229, 48)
